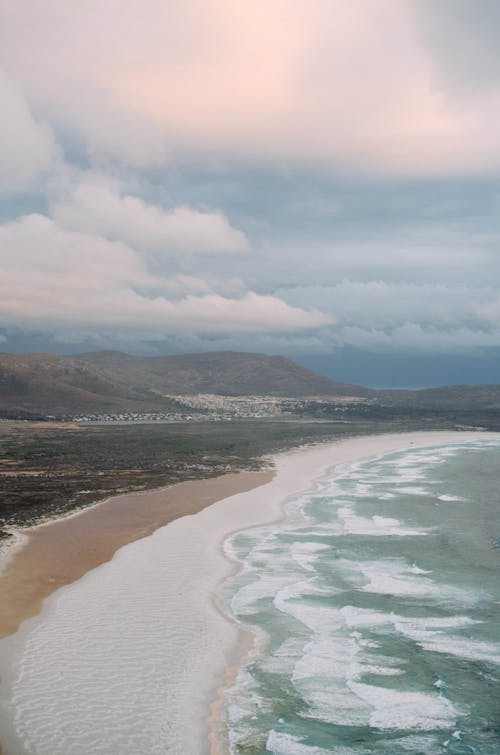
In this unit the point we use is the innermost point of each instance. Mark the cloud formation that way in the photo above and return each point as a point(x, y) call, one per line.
point(96, 207)
point(55, 277)
point(27, 148)
point(401, 317)
point(286, 176)
point(356, 85)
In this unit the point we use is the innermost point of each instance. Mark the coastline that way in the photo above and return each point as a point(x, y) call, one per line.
point(346, 451)
point(215, 643)
point(60, 551)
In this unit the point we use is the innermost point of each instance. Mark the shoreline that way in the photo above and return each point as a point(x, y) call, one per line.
point(249, 639)
point(59, 551)
point(206, 677)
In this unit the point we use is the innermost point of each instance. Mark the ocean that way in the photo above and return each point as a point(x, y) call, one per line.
point(375, 607)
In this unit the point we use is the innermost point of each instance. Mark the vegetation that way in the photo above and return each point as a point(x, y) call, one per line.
point(49, 469)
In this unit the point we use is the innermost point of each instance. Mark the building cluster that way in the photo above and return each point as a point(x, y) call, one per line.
point(214, 407)
point(144, 417)
point(233, 406)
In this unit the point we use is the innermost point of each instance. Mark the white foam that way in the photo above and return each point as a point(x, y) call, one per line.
point(244, 601)
point(441, 642)
point(361, 491)
point(413, 490)
point(364, 617)
point(318, 618)
point(375, 526)
point(417, 570)
point(229, 549)
point(379, 670)
point(411, 627)
point(327, 658)
point(397, 709)
point(333, 704)
point(417, 743)
point(332, 658)
point(306, 554)
point(395, 577)
point(430, 633)
point(280, 743)
point(282, 660)
point(391, 577)
point(433, 622)
point(450, 498)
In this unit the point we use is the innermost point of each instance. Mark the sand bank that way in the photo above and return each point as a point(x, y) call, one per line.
point(129, 658)
point(59, 552)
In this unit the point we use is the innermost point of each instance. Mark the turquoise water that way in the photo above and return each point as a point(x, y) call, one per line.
point(376, 606)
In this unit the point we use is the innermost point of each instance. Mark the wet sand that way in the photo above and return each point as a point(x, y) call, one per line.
point(61, 551)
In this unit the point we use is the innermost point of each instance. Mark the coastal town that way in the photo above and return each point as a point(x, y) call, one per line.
point(204, 407)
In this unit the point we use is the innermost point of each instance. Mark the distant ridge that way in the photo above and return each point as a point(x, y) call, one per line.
point(229, 373)
point(115, 381)
point(41, 385)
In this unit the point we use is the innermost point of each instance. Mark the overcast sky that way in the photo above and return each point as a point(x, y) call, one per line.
point(316, 178)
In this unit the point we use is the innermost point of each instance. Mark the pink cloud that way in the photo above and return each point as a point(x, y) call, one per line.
point(349, 85)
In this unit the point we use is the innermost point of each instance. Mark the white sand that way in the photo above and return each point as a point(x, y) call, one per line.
point(127, 659)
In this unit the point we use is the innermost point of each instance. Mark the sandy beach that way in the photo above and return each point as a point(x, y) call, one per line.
point(156, 593)
point(59, 552)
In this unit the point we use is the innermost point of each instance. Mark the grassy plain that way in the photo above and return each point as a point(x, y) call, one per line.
point(48, 469)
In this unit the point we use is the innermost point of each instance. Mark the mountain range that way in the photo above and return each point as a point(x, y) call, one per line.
point(115, 381)
point(112, 381)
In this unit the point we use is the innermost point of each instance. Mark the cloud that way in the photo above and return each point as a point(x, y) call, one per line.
point(60, 278)
point(27, 148)
point(286, 176)
point(379, 316)
point(463, 39)
point(382, 305)
point(412, 337)
point(488, 310)
point(93, 206)
point(350, 86)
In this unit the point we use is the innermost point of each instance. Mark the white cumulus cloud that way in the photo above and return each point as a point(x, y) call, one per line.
point(60, 278)
point(96, 206)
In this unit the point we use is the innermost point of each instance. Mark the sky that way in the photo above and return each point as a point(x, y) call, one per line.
point(312, 178)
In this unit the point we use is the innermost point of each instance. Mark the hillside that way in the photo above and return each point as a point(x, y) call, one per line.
point(470, 397)
point(111, 381)
point(228, 373)
point(34, 384)
point(37, 385)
